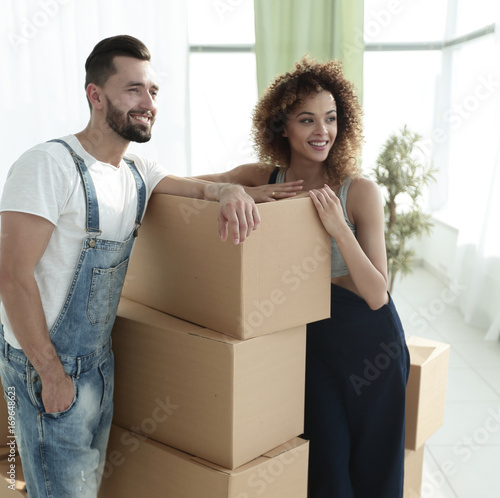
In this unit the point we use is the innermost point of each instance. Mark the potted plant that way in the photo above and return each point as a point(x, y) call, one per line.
point(403, 173)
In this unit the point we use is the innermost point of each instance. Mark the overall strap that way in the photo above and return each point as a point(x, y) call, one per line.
point(141, 194)
point(90, 194)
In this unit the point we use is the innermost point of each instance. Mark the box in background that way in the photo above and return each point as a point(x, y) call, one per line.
point(413, 473)
point(277, 279)
point(137, 466)
point(426, 389)
point(203, 392)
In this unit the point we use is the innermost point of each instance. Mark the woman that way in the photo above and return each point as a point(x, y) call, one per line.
point(307, 132)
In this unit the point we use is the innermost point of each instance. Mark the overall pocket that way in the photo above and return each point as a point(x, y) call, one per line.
point(105, 292)
point(70, 407)
point(35, 393)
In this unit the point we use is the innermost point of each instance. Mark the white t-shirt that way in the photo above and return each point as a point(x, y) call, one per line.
point(45, 182)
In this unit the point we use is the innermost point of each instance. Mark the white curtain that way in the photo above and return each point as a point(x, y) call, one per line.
point(43, 48)
point(474, 180)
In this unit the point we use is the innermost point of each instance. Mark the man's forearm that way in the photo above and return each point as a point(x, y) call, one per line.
point(214, 191)
point(237, 212)
point(22, 303)
point(194, 188)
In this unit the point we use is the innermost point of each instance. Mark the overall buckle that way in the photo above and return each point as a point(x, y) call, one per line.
point(93, 234)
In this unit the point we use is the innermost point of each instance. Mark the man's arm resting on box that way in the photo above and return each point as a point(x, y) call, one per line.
point(238, 213)
point(23, 240)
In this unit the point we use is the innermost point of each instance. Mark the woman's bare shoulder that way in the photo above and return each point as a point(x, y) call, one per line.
point(362, 186)
point(364, 196)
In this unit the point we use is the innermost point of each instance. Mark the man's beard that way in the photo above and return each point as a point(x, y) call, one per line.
point(118, 122)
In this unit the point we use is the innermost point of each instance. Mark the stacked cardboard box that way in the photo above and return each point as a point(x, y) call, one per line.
point(414, 460)
point(143, 467)
point(210, 353)
point(277, 279)
point(425, 402)
point(219, 398)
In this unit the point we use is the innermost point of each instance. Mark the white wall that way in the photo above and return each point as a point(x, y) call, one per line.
point(437, 250)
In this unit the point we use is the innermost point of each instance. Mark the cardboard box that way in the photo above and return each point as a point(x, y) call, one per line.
point(426, 390)
point(6, 492)
point(203, 392)
point(141, 467)
point(414, 461)
point(277, 279)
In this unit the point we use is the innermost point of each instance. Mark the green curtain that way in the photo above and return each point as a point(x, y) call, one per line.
point(285, 30)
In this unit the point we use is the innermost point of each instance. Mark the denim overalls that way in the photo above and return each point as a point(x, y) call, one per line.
point(63, 453)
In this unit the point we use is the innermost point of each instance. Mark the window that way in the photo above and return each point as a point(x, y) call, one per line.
point(445, 81)
point(440, 81)
point(470, 125)
point(395, 97)
point(223, 84)
point(475, 15)
point(404, 21)
point(402, 66)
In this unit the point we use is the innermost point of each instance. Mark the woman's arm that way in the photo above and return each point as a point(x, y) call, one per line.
point(251, 175)
point(254, 178)
point(365, 253)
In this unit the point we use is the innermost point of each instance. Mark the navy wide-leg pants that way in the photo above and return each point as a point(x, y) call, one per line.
point(356, 372)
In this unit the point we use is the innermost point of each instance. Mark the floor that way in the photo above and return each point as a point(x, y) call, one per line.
point(462, 458)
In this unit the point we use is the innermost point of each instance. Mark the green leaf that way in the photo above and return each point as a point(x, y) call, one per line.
point(403, 173)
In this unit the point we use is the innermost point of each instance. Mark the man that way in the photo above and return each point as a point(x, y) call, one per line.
point(70, 213)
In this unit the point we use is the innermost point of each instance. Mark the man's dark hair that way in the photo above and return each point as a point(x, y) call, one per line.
point(99, 65)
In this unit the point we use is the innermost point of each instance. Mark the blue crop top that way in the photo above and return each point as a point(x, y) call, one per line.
point(339, 268)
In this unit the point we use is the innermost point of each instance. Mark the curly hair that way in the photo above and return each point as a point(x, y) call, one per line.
point(289, 91)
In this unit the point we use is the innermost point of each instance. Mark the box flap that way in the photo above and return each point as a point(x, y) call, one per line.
point(423, 350)
point(420, 354)
point(142, 314)
point(289, 445)
point(296, 443)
